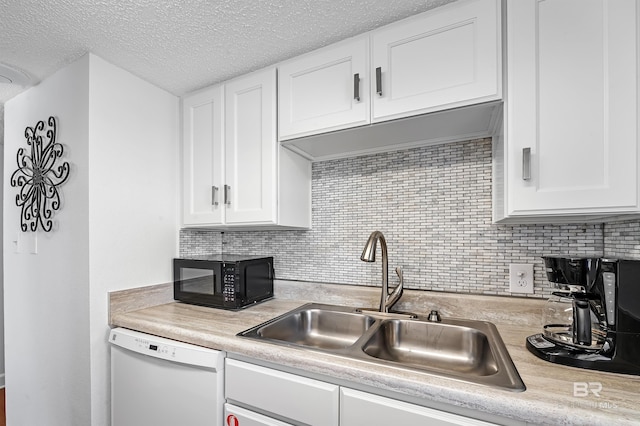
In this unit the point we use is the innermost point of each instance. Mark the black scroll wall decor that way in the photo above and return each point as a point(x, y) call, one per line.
point(38, 176)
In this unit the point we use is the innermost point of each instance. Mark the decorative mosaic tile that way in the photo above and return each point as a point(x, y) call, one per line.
point(622, 240)
point(433, 205)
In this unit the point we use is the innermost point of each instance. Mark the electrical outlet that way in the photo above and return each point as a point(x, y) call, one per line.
point(521, 278)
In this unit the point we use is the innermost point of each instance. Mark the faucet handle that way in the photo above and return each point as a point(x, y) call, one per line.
point(434, 316)
point(397, 292)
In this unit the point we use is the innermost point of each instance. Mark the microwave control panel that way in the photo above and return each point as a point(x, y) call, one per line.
point(229, 282)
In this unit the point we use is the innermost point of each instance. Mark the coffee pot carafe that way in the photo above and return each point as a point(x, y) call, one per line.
point(571, 314)
point(592, 320)
point(567, 319)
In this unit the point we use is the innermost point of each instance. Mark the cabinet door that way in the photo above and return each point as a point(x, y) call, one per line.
point(251, 149)
point(361, 408)
point(324, 90)
point(202, 151)
point(572, 107)
point(445, 58)
point(285, 395)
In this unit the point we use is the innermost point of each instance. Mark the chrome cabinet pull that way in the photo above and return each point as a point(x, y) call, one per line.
point(356, 87)
point(379, 81)
point(526, 163)
point(214, 195)
point(227, 195)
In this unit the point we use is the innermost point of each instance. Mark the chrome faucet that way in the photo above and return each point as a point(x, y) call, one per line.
point(369, 255)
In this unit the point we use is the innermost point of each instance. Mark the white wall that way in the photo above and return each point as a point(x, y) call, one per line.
point(1, 249)
point(117, 229)
point(47, 294)
point(133, 199)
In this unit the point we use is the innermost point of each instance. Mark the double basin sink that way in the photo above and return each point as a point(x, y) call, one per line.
point(466, 350)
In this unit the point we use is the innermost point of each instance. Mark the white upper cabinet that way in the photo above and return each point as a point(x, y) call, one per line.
point(325, 90)
point(445, 58)
point(251, 148)
point(203, 177)
point(570, 146)
point(235, 173)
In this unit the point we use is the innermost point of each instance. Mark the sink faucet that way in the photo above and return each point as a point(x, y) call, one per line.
point(369, 255)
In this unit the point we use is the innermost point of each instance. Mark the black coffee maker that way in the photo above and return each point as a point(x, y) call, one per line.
point(593, 320)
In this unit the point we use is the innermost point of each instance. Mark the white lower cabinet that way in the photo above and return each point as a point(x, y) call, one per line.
point(258, 395)
point(279, 395)
point(361, 408)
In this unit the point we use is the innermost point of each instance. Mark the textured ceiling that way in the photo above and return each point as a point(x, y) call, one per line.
point(181, 45)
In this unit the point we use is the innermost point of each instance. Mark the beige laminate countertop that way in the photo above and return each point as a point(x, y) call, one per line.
point(549, 398)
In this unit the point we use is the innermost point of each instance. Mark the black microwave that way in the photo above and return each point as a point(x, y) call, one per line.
point(223, 281)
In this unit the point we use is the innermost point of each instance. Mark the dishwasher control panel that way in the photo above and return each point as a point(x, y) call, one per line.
point(172, 350)
point(166, 350)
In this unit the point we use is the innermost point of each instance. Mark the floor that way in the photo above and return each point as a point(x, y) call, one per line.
point(3, 420)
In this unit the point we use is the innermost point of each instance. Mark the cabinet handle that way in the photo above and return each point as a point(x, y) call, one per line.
point(356, 87)
point(379, 81)
point(214, 193)
point(227, 195)
point(526, 163)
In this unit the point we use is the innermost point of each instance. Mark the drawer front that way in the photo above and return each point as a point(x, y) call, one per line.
point(237, 416)
point(286, 395)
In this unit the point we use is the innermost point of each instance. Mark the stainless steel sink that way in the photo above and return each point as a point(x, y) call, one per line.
point(439, 346)
point(317, 328)
point(464, 350)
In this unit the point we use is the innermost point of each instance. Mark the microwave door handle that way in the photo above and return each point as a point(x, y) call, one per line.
point(217, 282)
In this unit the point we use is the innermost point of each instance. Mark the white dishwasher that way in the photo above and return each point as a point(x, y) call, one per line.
point(162, 382)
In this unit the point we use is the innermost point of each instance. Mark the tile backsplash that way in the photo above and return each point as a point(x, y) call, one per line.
point(433, 205)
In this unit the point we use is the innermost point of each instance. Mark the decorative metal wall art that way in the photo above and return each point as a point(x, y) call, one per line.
point(38, 176)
